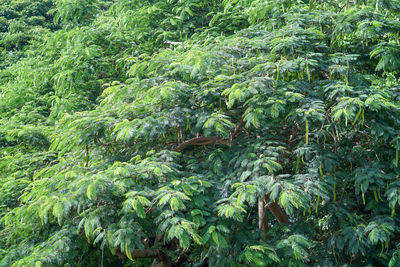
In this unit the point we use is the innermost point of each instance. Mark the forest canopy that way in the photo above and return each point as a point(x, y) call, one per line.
point(199, 133)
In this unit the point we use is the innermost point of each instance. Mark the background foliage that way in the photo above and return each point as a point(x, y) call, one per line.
point(96, 96)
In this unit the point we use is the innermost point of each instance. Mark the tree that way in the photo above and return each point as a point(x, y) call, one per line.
point(220, 133)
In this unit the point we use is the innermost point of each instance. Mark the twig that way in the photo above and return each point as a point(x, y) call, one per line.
point(234, 133)
point(335, 5)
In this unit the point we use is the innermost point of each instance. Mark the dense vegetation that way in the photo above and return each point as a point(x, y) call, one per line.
point(199, 133)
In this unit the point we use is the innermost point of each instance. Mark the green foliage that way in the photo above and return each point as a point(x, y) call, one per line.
point(301, 99)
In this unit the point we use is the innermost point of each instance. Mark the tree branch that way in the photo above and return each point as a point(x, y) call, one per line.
point(146, 253)
point(263, 218)
point(172, 43)
point(234, 133)
point(140, 253)
point(277, 211)
point(203, 140)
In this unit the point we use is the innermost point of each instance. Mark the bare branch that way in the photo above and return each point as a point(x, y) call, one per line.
point(203, 140)
point(146, 253)
point(172, 43)
point(234, 133)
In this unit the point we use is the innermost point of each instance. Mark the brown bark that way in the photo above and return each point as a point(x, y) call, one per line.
point(207, 140)
point(140, 253)
point(263, 218)
point(203, 140)
point(277, 211)
point(235, 132)
point(160, 258)
point(157, 263)
point(145, 253)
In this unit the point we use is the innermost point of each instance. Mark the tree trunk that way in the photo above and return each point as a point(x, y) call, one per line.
point(263, 218)
point(275, 209)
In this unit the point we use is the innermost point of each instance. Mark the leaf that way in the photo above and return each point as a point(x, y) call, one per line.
point(164, 199)
point(99, 238)
point(91, 191)
point(138, 207)
point(219, 240)
point(245, 175)
point(128, 252)
point(58, 211)
point(184, 240)
point(176, 204)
